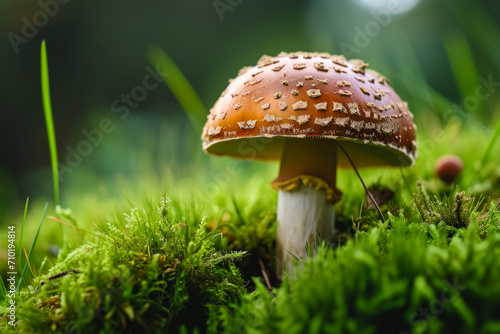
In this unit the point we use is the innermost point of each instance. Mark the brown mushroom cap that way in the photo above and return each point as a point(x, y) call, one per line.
point(316, 96)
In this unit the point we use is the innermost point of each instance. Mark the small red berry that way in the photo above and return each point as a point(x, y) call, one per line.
point(448, 168)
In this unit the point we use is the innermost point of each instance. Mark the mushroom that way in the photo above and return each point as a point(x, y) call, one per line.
point(448, 168)
point(295, 108)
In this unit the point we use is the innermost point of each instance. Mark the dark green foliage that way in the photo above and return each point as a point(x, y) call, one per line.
point(397, 278)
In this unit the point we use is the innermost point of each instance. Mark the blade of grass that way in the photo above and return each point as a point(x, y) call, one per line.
point(3, 289)
point(21, 279)
point(49, 121)
point(180, 87)
point(462, 64)
point(491, 144)
point(73, 226)
point(479, 24)
point(29, 263)
point(19, 263)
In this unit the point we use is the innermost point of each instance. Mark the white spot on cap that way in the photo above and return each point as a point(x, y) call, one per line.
point(229, 134)
point(283, 106)
point(299, 66)
point(214, 131)
point(357, 125)
point(370, 125)
point(339, 60)
point(367, 113)
point(266, 106)
point(323, 121)
point(257, 73)
point(353, 108)
point(364, 90)
point(287, 126)
point(359, 65)
point(278, 68)
point(234, 95)
point(299, 105)
point(323, 81)
point(341, 121)
point(237, 106)
point(308, 77)
point(223, 114)
point(387, 128)
point(344, 92)
point(259, 99)
point(337, 106)
point(285, 82)
point(300, 84)
point(247, 92)
point(302, 132)
point(303, 119)
point(322, 106)
point(253, 82)
point(250, 124)
point(272, 129)
point(320, 66)
point(341, 83)
point(277, 95)
point(329, 133)
point(314, 93)
point(339, 70)
point(266, 60)
point(271, 118)
point(360, 79)
point(295, 92)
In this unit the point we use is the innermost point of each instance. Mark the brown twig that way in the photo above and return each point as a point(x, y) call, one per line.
point(266, 277)
point(64, 273)
point(364, 186)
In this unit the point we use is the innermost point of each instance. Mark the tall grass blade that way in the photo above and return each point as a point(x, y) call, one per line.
point(29, 263)
point(462, 64)
point(19, 263)
point(3, 289)
point(49, 121)
point(180, 87)
point(491, 144)
point(21, 279)
point(73, 226)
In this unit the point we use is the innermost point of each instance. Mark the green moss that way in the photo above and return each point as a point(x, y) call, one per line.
point(400, 277)
point(146, 272)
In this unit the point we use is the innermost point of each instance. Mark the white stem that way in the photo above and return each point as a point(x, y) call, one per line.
point(303, 214)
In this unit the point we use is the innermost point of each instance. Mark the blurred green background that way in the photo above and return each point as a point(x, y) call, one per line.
point(439, 55)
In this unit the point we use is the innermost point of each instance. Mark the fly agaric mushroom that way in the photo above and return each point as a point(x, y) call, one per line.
point(448, 168)
point(293, 108)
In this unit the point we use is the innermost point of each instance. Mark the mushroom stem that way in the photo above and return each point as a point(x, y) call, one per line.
point(306, 185)
point(303, 214)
